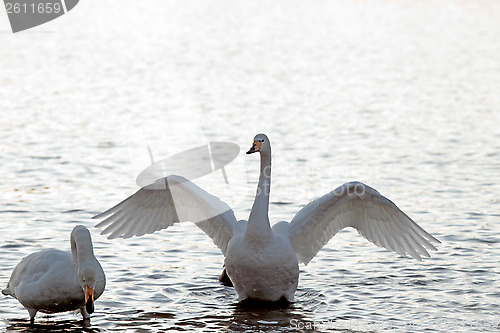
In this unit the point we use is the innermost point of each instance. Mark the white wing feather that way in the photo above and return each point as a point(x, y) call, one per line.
point(167, 201)
point(359, 206)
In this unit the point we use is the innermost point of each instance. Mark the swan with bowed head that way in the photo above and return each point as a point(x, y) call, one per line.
point(262, 262)
point(56, 281)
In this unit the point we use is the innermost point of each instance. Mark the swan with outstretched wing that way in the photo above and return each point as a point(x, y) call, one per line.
point(261, 261)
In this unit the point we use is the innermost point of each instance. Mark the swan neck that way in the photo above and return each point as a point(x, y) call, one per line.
point(259, 215)
point(81, 250)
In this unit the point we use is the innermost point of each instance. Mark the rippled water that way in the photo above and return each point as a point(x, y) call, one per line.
point(403, 96)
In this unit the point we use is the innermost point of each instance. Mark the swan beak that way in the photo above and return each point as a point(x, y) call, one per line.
point(255, 147)
point(89, 299)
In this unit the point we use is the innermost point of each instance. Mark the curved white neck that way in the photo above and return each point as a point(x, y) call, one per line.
point(81, 249)
point(258, 220)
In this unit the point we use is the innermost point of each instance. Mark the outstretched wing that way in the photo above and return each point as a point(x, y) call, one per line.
point(359, 206)
point(167, 201)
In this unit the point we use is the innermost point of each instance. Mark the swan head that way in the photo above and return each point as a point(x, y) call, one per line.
point(87, 280)
point(260, 144)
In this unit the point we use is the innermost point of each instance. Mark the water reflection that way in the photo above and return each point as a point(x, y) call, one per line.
point(141, 320)
point(243, 317)
point(376, 91)
point(19, 325)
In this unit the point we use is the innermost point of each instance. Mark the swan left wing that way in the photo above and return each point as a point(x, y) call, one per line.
point(167, 201)
point(359, 206)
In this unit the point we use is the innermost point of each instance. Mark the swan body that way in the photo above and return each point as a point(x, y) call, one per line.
point(262, 269)
point(56, 281)
point(261, 261)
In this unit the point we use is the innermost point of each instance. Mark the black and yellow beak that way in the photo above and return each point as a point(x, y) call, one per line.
point(89, 299)
point(255, 147)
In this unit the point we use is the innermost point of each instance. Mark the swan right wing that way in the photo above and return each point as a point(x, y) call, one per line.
point(167, 201)
point(359, 206)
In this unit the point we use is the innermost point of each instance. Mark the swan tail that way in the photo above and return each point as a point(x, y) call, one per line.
point(7, 291)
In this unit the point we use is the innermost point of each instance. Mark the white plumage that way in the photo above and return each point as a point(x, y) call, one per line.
point(55, 281)
point(262, 262)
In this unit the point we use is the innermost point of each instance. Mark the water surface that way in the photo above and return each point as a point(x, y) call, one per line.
point(399, 95)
